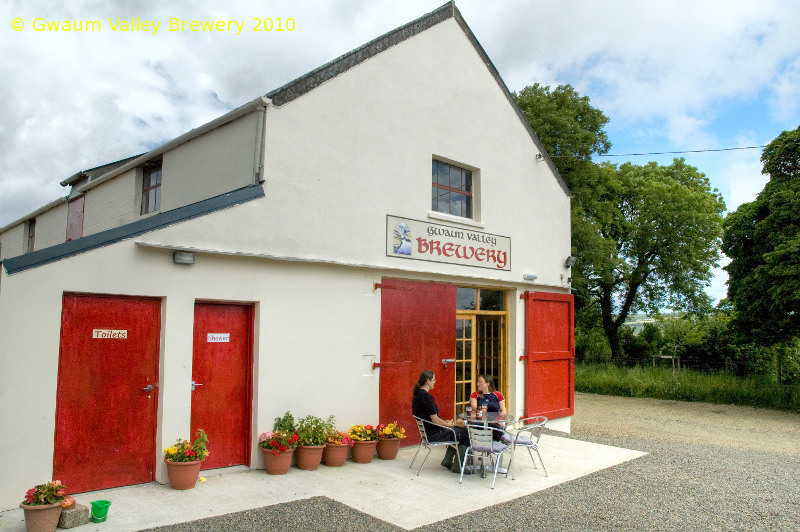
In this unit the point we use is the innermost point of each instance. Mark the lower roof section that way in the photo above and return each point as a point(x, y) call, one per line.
point(104, 238)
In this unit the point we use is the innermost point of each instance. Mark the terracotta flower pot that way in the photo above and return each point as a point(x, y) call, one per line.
point(335, 454)
point(387, 448)
point(363, 451)
point(277, 464)
point(41, 517)
point(183, 475)
point(308, 457)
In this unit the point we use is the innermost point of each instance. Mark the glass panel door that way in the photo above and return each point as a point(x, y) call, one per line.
point(465, 356)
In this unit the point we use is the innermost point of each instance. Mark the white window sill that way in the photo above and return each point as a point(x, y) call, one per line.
point(455, 219)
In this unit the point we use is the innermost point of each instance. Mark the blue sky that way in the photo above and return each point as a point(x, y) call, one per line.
point(671, 75)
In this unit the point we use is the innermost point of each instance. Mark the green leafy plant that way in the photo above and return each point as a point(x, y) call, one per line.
point(48, 493)
point(285, 423)
point(312, 430)
point(184, 451)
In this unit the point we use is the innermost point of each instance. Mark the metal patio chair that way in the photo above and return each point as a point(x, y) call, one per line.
point(424, 442)
point(482, 445)
point(528, 434)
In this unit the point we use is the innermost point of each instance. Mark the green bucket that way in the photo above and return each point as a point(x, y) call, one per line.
point(100, 510)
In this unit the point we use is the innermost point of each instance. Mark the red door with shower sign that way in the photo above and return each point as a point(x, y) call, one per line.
point(221, 381)
point(549, 354)
point(417, 333)
point(107, 392)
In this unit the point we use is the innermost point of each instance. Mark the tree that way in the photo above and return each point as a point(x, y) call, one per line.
point(762, 238)
point(645, 237)
point(650, 243)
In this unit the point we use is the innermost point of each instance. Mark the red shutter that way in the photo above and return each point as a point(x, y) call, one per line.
point(549, 354)
point(75, 218)
point(418, 330)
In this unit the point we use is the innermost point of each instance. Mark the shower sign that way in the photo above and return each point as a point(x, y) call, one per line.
point(219, 337)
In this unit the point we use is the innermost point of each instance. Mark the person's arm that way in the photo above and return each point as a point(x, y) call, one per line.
point(503, 407)
point(443, 422)
point(473, 402)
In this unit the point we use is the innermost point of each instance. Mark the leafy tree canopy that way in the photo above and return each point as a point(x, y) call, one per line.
point(762, 238)
point(646, 237)
point(649, 242)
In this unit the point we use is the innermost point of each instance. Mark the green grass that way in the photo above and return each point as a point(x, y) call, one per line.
point(686, 385)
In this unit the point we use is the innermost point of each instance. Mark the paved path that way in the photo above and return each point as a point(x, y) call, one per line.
point(710, 467)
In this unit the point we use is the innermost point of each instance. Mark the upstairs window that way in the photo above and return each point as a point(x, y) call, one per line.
point(151, 188)
point(31, 234)
point(451, 190)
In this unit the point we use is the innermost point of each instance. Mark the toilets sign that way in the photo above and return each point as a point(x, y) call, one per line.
point(414, 239)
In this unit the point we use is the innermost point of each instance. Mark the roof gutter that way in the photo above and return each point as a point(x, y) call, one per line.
point(247, 108)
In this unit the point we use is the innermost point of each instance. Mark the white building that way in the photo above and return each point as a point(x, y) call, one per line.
point(310, 251)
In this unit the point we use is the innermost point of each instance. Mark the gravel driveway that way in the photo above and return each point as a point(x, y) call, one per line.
point(710, 467)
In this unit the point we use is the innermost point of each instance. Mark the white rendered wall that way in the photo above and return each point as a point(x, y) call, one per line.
point(112, 204)
point(315, 325)
point(359, 147)
point(51, 227)
point(13, 241)
point(214, 163)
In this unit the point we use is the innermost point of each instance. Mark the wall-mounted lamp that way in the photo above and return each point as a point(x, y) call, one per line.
point(570, 262)
point(183, 257)
point(529, 276)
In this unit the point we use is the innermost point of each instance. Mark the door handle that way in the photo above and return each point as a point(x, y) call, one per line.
point(447, 361)
point(195, 385)
point(148, 388)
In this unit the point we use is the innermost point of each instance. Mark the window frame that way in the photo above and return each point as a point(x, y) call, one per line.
point(466, 189)
point(148, 187)
point(31, 235)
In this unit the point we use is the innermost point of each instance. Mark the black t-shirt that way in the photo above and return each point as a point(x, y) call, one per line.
point(424, 406)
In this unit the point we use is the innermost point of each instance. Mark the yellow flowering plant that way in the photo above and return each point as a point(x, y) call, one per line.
point(184, 451)
point(363, 433)
point(391, 431)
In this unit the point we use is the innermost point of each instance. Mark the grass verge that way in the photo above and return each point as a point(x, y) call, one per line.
point(686, 385)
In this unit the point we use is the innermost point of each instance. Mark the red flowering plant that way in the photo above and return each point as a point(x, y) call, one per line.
point(184, 451)
point(49, 493)
point(391, 431)
point(278, 441)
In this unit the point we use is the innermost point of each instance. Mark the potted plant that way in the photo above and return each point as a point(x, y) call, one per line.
point(337, 445)
point(365, 439)
point(389, 440)
point(42, 506)
point(184, 460)
point(312, 433)
point(278, 447)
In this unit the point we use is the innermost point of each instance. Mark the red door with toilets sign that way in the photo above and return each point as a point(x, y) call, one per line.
point(107, 392)
point(418, 323)
point(222, 376)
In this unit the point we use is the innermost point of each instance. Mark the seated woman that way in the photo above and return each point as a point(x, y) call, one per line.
point(487, 395)
point(494, 400)
point(424, 407)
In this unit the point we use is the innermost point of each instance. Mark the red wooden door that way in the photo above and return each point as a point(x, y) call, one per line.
point(222, 371)
point(75, 218)
point(105, 422)
point(418, 323)
point(549, 354)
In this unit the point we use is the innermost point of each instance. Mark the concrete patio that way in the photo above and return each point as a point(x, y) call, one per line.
point(374, 488)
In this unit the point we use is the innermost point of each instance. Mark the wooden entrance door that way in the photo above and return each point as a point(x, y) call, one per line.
point(549, 355)
point(417, 333)
point(222, 373)
point(105, 414)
